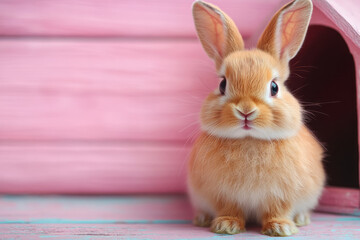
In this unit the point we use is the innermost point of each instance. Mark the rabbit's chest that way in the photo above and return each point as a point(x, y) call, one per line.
point(253, 174)
point(248, 162)
point(252, 171)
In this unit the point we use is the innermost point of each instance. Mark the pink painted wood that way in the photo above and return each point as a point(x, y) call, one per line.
point(102, 89)
point(114, 167)
point(121, 18)
point(101, 209)
point(324, 227)
point(344, 15)
point(341, 197)
point(90, 95)
point(134, 217)
point(328, 13)
point(93, 168)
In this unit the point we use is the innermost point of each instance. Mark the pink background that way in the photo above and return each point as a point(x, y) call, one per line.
point(104, 97)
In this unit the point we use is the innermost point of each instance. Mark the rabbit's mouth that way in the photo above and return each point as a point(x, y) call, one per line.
point(246, 124)
point(246, 127)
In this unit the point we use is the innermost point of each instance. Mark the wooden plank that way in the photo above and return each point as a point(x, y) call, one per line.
point(339, 210)
point(121, 18)
point(134, 217)
point(97, 209)
point(102, 89)
point(115, 167)
point(341, 197)
point(323, 227)
point(78, 168)
point(344, 15)
point(94, 209)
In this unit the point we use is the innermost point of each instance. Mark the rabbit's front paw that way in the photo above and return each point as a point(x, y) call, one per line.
point(302, 219)
point(279, 228)
point(202, 220)
point(228, 225)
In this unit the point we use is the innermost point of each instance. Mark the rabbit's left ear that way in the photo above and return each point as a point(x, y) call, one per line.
point(286, 31)
point(217, 32)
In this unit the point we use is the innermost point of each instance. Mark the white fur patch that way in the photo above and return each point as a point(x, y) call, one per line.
point(222, 70)
point(239, 132)
point(241, 117)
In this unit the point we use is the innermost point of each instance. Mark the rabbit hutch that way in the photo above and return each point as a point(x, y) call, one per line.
point(102, 98)
point(330, 55)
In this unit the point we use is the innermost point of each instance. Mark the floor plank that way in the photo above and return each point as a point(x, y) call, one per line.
point(92, 209)
point(134, 217)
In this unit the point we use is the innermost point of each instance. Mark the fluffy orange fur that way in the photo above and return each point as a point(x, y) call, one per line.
point(272, 173)
point(273, 177)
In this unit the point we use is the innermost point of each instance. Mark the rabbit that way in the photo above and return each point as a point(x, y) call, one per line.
point(254, 160)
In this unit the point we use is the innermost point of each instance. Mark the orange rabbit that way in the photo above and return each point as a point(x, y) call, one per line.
point(255, 159)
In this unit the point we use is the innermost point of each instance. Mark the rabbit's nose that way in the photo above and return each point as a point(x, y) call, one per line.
point(247, 115)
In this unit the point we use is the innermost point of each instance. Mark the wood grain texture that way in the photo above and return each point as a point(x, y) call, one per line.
point(113, 80)
point(324, 227)
point(94, 209)
point(94, 167)
point(134, 217)
point(344, 15)
point(102, 89)
point(113, 168)
point(121, 18)
point(339, 210)
point(341, 197)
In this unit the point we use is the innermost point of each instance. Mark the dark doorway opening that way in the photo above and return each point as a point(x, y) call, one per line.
point(323, 79)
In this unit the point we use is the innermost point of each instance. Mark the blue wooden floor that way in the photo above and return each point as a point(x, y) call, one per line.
point(134, 217)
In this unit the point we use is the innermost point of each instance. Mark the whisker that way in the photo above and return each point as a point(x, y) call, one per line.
point(325, 114)
point(318, 103)
point(188, 126)
point(190, 115)
point(313, 111)
point(298, 75)
point(299, 88)
point(304, 66)
point(195, 132)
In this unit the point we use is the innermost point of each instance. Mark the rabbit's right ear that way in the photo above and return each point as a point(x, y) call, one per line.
point(286, 31)
point(217, 32)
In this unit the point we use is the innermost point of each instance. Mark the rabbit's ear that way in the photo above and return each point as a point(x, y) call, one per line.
point(217, 32)
point(286, 31)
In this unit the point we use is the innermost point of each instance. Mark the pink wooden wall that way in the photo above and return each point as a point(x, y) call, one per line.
point(103, 98)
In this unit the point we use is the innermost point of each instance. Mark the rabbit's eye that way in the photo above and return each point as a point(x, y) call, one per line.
point(222, 86)
point(274, 88)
